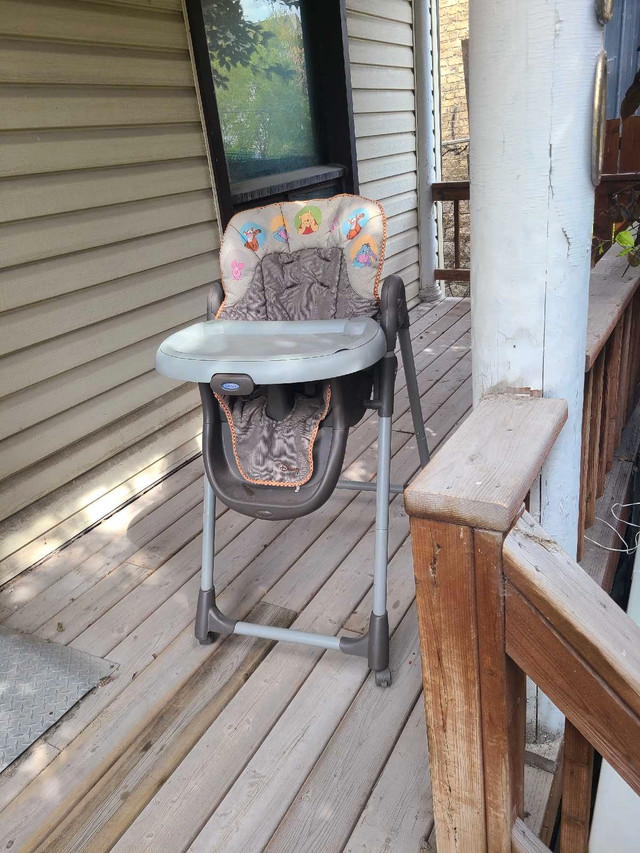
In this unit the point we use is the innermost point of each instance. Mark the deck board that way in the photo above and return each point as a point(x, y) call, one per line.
point(235, 746)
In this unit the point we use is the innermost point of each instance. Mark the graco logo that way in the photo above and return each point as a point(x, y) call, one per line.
point(230, 386)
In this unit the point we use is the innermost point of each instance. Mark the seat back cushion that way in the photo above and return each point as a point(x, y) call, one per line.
point(313, 260)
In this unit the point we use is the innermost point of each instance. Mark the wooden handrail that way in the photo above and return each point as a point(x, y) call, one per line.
point(453, 191)
point(612, 285)
point(496, 599)
point(612, 370)
point(576, 643)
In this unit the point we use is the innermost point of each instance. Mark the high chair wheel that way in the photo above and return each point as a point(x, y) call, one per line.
point(208, 640)
point(383, 677)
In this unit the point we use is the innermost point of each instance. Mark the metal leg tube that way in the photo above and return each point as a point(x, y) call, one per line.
point(208, 536)
point(382, 517)
point(414, 394)
point(206, 596)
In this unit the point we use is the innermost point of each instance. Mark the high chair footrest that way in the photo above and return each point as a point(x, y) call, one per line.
point(272, 352)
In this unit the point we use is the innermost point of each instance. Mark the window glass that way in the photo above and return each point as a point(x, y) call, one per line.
point(256, 48)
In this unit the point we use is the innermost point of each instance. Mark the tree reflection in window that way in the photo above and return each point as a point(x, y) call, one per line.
point(256, 48)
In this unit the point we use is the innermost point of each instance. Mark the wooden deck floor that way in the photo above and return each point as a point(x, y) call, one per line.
point(242, 745)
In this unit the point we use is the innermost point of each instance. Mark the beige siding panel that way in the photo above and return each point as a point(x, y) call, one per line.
point(33, 324)
point(392, 10)
point(26, 153)
point(33, 62)
point(48, 236)
point(402, 259)
point(401, 241)
point(381, 56)
point(377, 29)
point(69, 21)
point(369, 147)
point(31, 405)
point(28, 107)
point(385, 167)
point(371, 77)
point(30, 283)
point(50, 358)
point(402, 223)
point(27, 486)
point(390, 186)
point(382, 101)
point(48, 194)
point(67, 428)
point(374, 53)
point(108, 243)
point(374, 125)
point(400, 203)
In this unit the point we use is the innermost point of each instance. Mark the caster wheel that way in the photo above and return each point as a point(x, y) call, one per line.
point(383, 678)
point(208, 640)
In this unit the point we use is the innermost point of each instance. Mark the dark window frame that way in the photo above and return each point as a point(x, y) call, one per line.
point(327, 55)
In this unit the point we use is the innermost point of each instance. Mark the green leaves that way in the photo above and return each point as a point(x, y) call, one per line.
point(625, 239)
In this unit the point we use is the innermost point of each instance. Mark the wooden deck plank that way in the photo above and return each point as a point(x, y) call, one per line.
point(164, 818)
point(335, 793)
point(113, 803)
point(399, 812)
point(138, 522)
point(188, 798)
point(107, 771)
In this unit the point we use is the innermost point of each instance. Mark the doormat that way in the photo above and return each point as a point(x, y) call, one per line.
point(39, 682)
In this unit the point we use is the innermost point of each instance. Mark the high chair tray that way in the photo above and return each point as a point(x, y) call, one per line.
point(272, 352)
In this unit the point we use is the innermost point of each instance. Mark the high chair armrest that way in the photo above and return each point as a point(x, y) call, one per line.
point(394, 314)
point(215, 298)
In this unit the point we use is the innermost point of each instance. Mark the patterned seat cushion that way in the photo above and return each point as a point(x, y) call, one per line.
point(314, 260)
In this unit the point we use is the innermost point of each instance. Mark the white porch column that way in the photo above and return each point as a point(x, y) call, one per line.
point(532, 71)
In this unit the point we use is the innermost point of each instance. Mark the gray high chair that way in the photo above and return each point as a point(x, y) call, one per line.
point(299, 345)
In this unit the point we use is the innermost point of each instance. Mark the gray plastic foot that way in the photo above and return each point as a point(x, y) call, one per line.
point(383, 678)
point(374, 645)
point(211, 622)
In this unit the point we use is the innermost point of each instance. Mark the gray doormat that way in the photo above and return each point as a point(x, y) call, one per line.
point(39, 682)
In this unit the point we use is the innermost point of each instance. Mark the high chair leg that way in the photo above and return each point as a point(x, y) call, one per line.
point(413, 391)
point(207, 596)
point(379, 621)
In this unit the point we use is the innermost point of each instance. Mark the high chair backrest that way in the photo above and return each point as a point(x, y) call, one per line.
point(304, 260)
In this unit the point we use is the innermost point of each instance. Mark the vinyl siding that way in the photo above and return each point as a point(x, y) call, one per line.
point(108, 242)
point(381, 56)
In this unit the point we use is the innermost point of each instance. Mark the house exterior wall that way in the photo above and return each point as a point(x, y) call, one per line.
point(109, 242)
point(381, 55)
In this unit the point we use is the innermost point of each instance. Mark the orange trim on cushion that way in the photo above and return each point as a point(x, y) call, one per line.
point(221, 400)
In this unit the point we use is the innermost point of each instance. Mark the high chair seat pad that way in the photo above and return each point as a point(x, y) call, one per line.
point(272, 352)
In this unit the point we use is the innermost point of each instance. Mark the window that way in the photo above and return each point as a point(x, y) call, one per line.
point(274, 82)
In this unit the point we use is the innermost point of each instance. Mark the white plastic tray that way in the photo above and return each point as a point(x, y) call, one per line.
point(271, 352)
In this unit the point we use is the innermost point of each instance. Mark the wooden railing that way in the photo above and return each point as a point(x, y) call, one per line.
point(620, 172)
point(453, 191)
point(498, 599)
point(612, 371)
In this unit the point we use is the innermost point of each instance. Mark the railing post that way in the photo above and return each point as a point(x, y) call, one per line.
point(462, 505)
point(474, 695)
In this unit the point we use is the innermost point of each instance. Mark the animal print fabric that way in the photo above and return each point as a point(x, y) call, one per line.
point(312, 260)
point(275, 453)
point(310, 284)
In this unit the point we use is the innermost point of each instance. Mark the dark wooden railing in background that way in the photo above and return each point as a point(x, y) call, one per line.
point(620, 171)
point(497, 599)
point(612, 372)
point(454, 191)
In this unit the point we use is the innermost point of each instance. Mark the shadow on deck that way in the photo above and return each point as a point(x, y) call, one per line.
point(241, 745)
